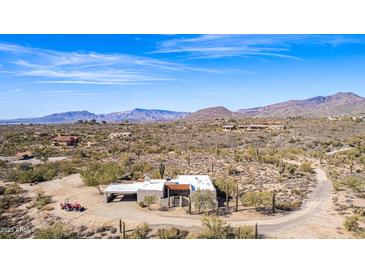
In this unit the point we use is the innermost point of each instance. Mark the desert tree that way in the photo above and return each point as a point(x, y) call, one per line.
point(42, 153)
point(203, 200)
point(228, 186)
point(97, 174)
point(149, 200)
point(214, 228)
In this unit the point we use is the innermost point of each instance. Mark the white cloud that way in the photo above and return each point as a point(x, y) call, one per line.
point(90, 68)
point(220, 46)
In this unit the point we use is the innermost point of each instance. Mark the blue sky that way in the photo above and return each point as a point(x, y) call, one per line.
point(43, 74)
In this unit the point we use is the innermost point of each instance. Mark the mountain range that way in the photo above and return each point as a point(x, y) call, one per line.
point(342, 103)
point(135, 115)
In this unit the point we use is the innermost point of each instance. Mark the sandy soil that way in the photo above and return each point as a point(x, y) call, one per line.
point(317, 219)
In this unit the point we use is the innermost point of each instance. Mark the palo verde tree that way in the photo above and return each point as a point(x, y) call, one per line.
point(228, 186)
point(42, 153)
point(203, 200)
point(149, 200)
point(97, 174)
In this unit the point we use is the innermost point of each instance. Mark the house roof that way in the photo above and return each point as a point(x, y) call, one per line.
point(197, 182)
point(182, 182)
point(173, 186)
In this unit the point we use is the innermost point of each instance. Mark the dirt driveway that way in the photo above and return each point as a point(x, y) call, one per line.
point(317, 218)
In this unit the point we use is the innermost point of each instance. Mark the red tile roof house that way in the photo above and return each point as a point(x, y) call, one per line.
point(66, 140)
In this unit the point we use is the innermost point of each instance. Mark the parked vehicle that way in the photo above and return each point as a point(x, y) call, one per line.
point(71, 206)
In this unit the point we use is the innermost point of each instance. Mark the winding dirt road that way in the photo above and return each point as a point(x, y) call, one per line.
point(316, 218)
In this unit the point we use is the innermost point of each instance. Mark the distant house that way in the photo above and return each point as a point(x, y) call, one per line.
point(262, 126)
point(229, 127)
point(65, 140)
point(253, 127)
point(24, 155)
point(117, 135)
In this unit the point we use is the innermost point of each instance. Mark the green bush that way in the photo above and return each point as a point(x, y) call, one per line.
point(259, 199)
point(149, 200)
point(141, 231)
point(351, 223)
point(13, 189)
point(171, 233)
point(215, 228)
point(357, 184)
point(203, 200)
point(245, 232)
point(41, 200)
point(57, 231)
point(306, 167)
point(40, 173)
point(295, 205)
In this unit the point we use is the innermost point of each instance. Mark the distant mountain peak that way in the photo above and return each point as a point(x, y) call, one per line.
point(210, 113)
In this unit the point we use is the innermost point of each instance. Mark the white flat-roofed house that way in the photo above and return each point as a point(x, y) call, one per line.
point(183, 185)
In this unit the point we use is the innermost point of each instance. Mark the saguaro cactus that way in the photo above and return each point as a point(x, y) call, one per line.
point(162, 169)
point(273, 202)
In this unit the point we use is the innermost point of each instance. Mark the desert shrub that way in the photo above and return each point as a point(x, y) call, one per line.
point(357, 184)
point(7, 236)
point(40, 173)
point(149, 200)
point(215, 228)
point(259, 199)
point(2, 164)
point(68, 167)
point(245, 232)
point(13, 189)
point(289, 205)
point(352, 223)
point(171, 233)
point(2, 190)
point(4, 203)
point(141, 204)
point(291, 168)
point(56, 231)
point(41, 200)
point(141, 231)
point(306, 167)
point(203, 200)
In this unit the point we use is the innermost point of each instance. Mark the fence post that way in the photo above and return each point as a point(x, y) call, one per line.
point(189, 205)
point(256, 232)
point(168, 197)
point(236, 197)
point(122, 228)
